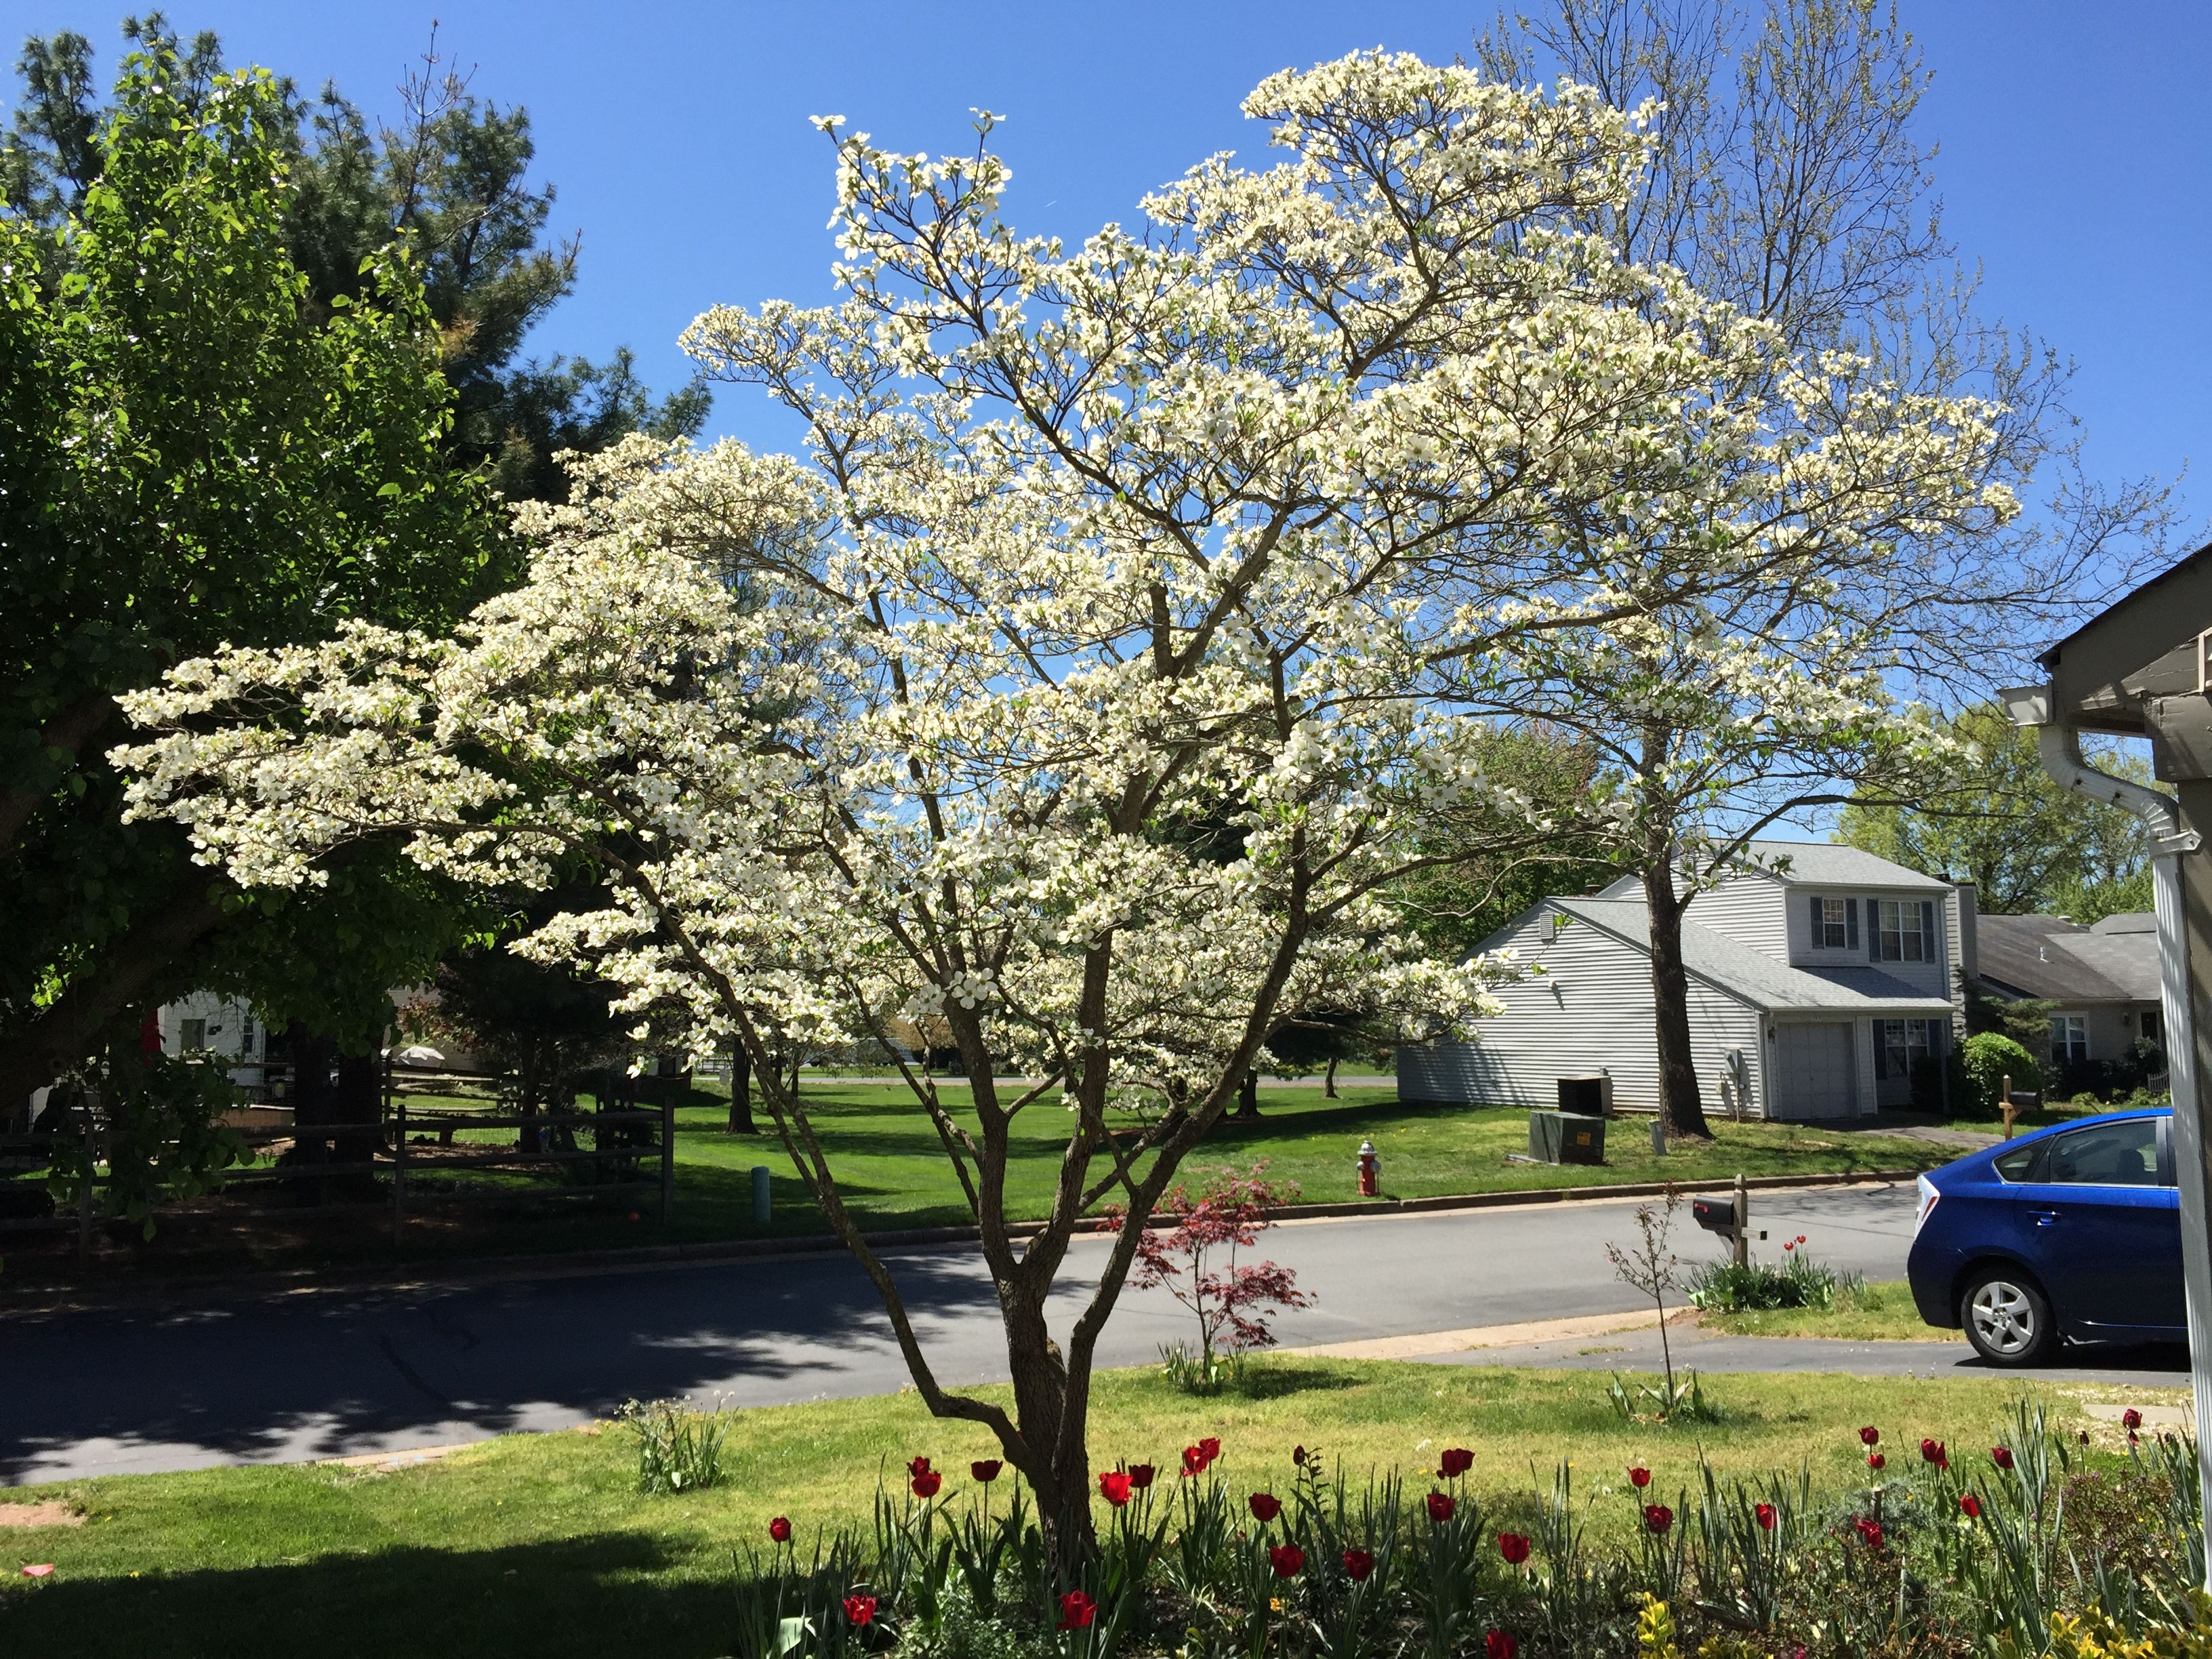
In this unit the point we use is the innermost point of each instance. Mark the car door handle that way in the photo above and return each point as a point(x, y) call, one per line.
point(2043, 1217)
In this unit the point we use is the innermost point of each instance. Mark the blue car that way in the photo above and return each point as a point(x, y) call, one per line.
point(2072, 1232)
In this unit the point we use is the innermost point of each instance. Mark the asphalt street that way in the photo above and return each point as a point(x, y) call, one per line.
point(335, 1374)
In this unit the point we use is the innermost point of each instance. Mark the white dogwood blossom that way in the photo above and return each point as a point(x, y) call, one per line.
point(1078, 690)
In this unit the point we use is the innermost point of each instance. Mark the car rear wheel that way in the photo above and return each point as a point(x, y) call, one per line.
point(2008, 1318)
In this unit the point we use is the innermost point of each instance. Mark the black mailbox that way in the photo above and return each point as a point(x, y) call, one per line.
point(1715, 1215)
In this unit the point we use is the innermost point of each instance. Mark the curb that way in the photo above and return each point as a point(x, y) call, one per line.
point(309, 1281)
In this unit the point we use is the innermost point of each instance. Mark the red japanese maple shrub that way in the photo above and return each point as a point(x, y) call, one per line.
point(1195, 1258)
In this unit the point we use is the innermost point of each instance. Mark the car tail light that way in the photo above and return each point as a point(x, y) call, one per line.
point(1927, 1197)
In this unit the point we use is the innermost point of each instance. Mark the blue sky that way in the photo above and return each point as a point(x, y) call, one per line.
point(2077, 142)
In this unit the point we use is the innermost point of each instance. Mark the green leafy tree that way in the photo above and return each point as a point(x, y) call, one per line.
point(1469, 889)
point(1995, 815)
point(190, 454)
point(450, 179)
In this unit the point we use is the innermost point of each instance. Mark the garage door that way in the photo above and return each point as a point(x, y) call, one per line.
point(1813, 1070)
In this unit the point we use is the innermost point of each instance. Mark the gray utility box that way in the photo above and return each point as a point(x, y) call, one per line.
point(1567, 1137)
point(1590, 1094)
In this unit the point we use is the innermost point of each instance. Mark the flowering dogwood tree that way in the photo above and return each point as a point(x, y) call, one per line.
point(1077, 688)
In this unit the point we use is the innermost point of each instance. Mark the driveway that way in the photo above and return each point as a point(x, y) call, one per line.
point(327, 1374)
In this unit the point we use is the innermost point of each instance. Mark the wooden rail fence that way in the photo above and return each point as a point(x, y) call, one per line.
point(615, 1159)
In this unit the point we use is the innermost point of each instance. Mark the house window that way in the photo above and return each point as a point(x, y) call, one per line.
point(2069, 1036)
point(195, 1037)
point(1835, 924)
point(2151, 1027)
point(1900, 1042)
point(1905, 931)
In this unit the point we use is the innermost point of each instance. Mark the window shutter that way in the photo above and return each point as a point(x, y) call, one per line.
point(1820, 923)
point(1926, 929)
point(1851, 923)
point(1880, 1050)
point(1873, 930)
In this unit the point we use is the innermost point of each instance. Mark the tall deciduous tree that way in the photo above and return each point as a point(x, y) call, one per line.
point(1787, 180)
point(1086, 547)
point(450, 177)
point(191, 458)
point(258, 455)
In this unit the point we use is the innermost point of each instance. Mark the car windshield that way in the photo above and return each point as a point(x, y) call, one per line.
point(2123, 1154)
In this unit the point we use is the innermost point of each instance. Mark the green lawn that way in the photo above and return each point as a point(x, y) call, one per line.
point(894, 1174)
point(540, 1545)
point(1880, 1312)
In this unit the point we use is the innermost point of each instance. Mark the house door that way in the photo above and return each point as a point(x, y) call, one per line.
point(1815, 1073)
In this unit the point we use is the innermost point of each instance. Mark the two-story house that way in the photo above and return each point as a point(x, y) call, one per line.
point(1818, 974)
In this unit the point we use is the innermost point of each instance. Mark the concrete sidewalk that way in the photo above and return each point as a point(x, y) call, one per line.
point(1716, 1352)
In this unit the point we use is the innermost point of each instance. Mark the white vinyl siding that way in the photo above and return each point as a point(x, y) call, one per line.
point(1955, 988)
point(1747, 909)
point(1590, 1011)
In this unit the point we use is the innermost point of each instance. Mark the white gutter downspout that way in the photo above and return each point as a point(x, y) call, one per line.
point(2059, 748)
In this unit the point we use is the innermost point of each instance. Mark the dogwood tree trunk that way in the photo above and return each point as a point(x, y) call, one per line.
point(1680, 1106)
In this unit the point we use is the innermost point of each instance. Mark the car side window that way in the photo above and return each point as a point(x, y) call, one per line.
point(2123, 1154)
point(2018, 1165)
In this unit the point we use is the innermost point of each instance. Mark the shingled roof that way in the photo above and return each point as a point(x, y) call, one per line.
point(2050, 958)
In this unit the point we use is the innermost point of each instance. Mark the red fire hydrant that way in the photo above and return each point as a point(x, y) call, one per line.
point(1370, 1171)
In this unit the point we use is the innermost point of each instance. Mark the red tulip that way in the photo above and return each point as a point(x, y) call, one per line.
point(2131, 1419)
point(1114, 1488)
point(2001, 1456)
point(1457, 1460)
point(1358, 1564)
point(1870, 1531)
point(1876, 1461)
point(1298, 1457)
point(1869, 1436)
point(1212, 1448)
point(986, 1469)
point(927, 1482)
point(1286, 1559)
point(1513, 1546)
point(1764, 1514)
point(1658, 1517)
point(1791, 1246)
point(1498, 1644)
point(1932, 1451)
point(1266, 1506)
point(1970, 1506)
point(1193, 1461)
point(861, 1609)
point(1077, 1610)
point(918, 1466)
point(1140, 1475)
point(1639, 1477)
point(779, 1529)
point(1441, 1506)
